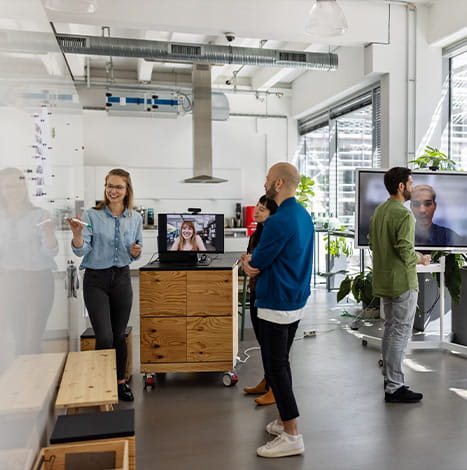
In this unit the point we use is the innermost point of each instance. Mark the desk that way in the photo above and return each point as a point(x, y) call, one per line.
point(441, 343)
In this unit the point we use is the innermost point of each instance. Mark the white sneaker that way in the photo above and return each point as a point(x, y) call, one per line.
point(275, 428)
point(282, 446)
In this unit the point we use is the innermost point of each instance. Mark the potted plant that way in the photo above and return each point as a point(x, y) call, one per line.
point(304, 191)
point(338, 249)
point(360, 286)
point(434, 160)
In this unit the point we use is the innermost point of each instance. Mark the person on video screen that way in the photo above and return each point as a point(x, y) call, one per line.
point(423, 205)
point(188, 240)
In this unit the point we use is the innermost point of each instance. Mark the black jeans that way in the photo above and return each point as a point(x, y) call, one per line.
point(275, 341)
point(108, 296)
point(254, 314)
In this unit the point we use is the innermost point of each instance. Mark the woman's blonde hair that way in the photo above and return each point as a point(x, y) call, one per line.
point(190, 224)
point(128, 200)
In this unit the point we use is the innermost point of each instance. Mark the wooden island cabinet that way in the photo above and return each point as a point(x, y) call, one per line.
point(189, 316)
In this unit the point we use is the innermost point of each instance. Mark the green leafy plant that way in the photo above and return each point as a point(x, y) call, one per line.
point(304, 191)
point(452, 274)
point(434, 160)
point(361, 287)
point(337, 246)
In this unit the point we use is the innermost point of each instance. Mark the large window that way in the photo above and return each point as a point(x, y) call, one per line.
point(332, 146)
point(458, 112)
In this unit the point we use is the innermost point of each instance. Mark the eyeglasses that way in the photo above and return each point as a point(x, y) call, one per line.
point(424, 203)
point(118, 187)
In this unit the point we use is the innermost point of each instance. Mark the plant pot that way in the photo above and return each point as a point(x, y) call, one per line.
point(459, 313)
point(336, 264)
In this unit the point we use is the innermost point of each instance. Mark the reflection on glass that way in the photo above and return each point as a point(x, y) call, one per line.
point(27, 248)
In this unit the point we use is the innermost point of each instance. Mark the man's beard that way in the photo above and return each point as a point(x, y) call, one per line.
point(271, 192)
point(407, 194)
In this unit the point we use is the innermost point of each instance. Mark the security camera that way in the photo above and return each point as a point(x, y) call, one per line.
point(229, 36)
point(228, 82)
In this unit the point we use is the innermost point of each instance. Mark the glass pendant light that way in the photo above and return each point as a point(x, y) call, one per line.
point(325, 20)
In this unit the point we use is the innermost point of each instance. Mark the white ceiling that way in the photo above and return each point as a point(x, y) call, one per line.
point(274, 24)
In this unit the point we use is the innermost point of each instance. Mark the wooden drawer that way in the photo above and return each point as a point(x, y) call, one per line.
point(209, 293)
point(162, 293)
point(209, 339)
point(163, 339)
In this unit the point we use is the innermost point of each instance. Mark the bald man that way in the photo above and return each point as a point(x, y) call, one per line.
point(423, 205)
point(282, 261)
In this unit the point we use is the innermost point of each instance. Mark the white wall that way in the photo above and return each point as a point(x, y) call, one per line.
point(243, 148)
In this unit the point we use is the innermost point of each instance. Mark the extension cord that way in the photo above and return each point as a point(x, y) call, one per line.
point(308, 333)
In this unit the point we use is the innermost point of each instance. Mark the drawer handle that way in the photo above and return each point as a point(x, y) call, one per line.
point(160, 357)
point(157, 345)
point(153, 331)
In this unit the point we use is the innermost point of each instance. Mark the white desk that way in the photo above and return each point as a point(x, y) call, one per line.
point(444, 341)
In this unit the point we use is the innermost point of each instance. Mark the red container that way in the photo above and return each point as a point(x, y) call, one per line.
point(248, 217)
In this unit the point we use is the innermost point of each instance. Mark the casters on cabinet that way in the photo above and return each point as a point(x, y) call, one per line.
point(229, 379)
point(380, 363)
point(149, 382)
point(364, 342)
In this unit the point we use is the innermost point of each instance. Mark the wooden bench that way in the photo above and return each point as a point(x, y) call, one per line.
point(88, 343)
point(90, 428)
point(29, 382)
point(89, 379)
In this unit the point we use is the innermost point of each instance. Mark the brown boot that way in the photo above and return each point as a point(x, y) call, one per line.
point(260, 388)
point(266, 399)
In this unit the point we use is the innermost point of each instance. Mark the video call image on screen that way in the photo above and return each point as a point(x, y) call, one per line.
point(437, 202)
point(188, 232)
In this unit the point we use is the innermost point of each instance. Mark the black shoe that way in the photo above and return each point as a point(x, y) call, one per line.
point(403, 395)
point(124, 392)
point(385, 384)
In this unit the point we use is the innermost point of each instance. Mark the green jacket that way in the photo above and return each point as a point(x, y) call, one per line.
point(391, 237)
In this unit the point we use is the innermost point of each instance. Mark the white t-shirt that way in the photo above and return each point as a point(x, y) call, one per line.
point(283, 317)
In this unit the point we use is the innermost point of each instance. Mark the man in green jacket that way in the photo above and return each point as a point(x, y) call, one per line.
point(391, 237)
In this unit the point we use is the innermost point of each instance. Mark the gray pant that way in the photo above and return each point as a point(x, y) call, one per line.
point(399, 313)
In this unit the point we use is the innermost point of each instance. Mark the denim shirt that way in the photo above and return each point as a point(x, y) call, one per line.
point(108, 242)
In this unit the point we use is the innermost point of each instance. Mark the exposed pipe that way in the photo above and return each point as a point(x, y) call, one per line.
point(198, 53)
point(411, 79)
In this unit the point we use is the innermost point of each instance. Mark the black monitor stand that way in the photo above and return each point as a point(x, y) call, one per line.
point(181, 258)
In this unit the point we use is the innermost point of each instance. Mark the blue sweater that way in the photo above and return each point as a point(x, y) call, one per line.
point(284, 256)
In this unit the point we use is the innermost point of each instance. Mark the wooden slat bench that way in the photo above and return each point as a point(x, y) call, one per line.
point(88, 343)
point(89, 379)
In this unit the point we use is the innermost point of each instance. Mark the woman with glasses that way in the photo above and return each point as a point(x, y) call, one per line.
point(109, 238)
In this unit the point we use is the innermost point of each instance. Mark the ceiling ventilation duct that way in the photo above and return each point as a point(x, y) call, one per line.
point(195, 53)
point(160, 103)
point(202, 126)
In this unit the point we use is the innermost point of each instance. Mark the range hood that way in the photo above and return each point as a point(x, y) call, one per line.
point(202, 126)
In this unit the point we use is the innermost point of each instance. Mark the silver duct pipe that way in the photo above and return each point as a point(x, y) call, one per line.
point(202, 126)
point(204, 53)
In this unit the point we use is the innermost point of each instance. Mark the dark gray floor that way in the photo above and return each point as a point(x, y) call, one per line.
point(191, 421)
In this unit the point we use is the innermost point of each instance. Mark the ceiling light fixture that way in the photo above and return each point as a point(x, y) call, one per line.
point(325, 20)
point(76, 6)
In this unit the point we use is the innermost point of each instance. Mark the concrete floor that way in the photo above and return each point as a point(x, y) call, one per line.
point(191, 421)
